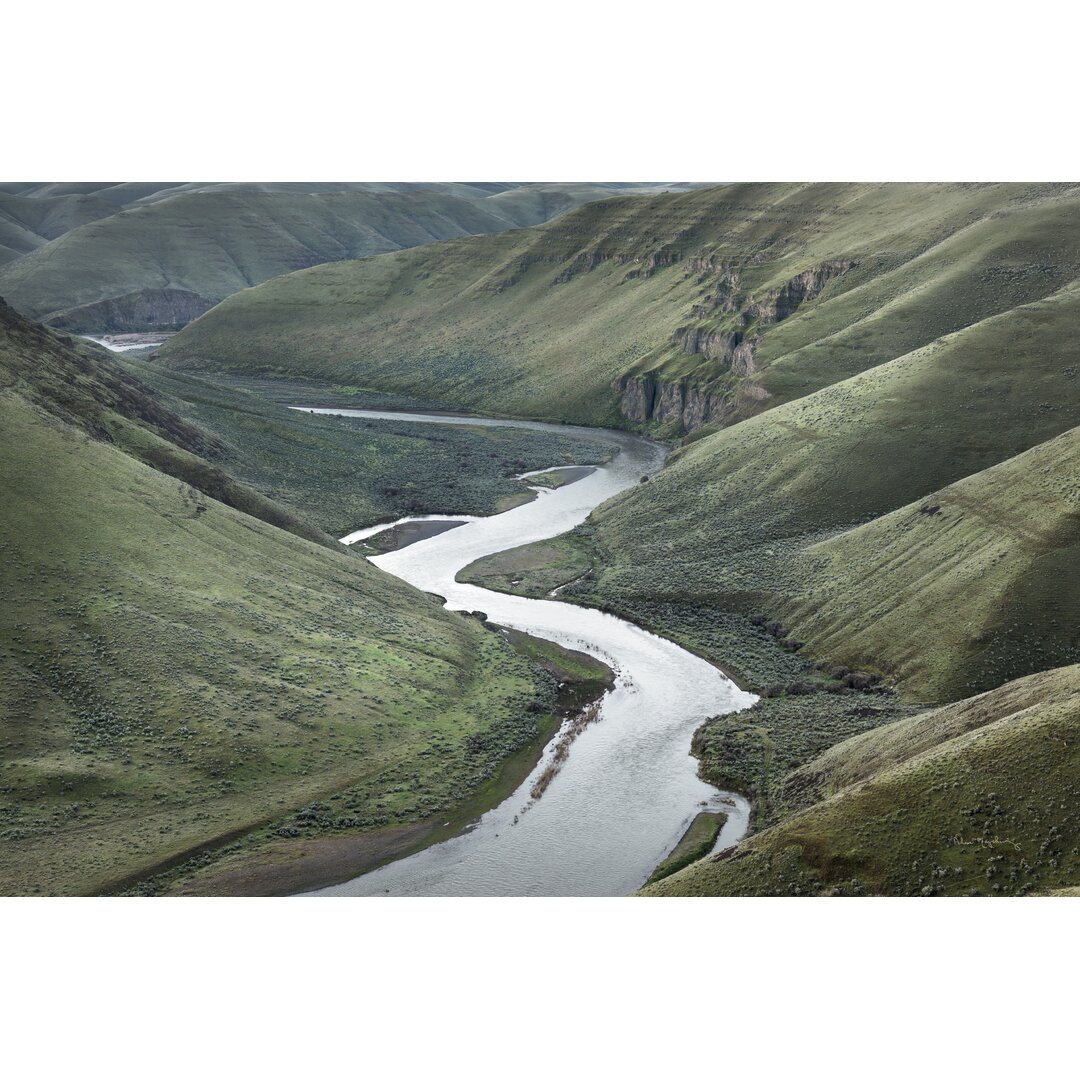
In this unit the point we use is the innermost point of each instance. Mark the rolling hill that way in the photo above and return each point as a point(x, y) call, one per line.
point(905, 521)
point(735, 519)
point(33, 214)
point(683, 311)
point(872, 513)
point(981, 797)
point(183, 661)
point(94, 258)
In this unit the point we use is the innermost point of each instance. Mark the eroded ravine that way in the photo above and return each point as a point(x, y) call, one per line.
point(629, 787)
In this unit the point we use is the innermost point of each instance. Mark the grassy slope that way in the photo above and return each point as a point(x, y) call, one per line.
point(173, 670)
point(978, 797)
point(974, 585)
point(734, 513)
point(541, 321)
point(27, 223)
point(725, 528)
point(82, 249)
point(730, 517)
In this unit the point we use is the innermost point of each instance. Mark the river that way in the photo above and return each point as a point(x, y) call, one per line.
point(629, 787)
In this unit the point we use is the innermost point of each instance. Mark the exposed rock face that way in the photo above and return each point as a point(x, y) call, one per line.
point(150, 309)
point(645, 398)
point(726, 348)
point(729, 349)
point(734, 348)
point(799, 290)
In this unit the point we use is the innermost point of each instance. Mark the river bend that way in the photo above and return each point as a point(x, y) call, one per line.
point(629, 787)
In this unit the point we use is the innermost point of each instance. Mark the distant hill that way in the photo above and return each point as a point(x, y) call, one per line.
point(115, 257)
point(33, 214)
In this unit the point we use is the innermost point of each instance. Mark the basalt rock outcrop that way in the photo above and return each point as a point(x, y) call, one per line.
point(734, 342)
point(725, 335)
point(149, 309)
point(645, 398)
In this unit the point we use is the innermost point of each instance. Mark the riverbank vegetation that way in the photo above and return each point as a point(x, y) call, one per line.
point(324, 843)
point(177, 671)
point(695, 843)
point(343, 473)
point(981, 797)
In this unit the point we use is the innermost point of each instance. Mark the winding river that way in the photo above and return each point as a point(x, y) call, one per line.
point(629, 787)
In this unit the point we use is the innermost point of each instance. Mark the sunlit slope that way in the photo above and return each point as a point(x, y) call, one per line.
point(685, 309)
point(174, 671)
point(979, 797)
point(165, 256)
point(729, 520)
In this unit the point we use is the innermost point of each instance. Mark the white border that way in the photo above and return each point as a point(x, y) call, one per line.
point(558, 91)
point(703, 90)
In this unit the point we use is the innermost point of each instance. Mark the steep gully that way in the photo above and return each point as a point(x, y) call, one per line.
point(629, 787)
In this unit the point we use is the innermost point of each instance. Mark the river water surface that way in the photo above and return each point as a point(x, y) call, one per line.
point(629, 787)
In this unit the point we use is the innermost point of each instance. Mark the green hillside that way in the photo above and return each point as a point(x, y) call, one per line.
point(682, 310)
point(33, 214)
point(981, 797)
point(175, 672)
point(729, 519)
point(974, 585)
point(95, 258)
point(944, 604)
point(871, 516)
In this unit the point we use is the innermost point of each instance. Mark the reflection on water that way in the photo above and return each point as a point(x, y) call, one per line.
point(630, 786)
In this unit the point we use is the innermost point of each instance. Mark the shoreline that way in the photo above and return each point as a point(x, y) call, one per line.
point(291, 867)
point(280, 866)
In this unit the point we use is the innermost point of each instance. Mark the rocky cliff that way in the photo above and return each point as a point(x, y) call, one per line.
point(725, 333)
point(149, 309)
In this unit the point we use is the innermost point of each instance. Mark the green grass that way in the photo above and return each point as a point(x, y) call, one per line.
point(114, 259)
point(971, 586)
point(696, 842)
point(532, 570)
point(753, 752)
point(175, 672)
point(976, 798)
point(582, 678)
point(542, 321)
point(321, 845)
